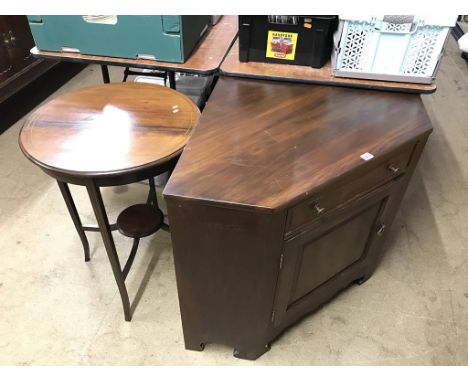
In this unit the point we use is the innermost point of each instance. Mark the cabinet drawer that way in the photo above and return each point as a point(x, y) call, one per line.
point(330, 198)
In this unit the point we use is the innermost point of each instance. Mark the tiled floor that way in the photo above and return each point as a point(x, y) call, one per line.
point(55, 309)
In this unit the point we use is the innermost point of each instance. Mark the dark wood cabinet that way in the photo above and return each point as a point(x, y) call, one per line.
point(4, 62)
point(17, 66)
point(16, 43)
point(282, 198)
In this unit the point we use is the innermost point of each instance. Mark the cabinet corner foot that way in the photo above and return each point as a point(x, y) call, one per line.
point(251, 353)
point(362, 280)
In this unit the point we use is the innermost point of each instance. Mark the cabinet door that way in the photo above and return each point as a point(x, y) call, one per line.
point(317, 263)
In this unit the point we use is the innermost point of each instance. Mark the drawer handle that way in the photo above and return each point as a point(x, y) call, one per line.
point(318, 210)
point(393, 169)
point(381, 229)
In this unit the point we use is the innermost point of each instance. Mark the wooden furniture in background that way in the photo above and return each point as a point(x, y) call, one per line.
point(282, 198)
point(109, 135)
point(204, 60)
point(17, 67)
point(231, 66)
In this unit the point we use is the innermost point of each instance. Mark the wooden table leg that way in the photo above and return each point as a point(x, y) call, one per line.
point(153, 199)
point(103, 223)
point(67, 196)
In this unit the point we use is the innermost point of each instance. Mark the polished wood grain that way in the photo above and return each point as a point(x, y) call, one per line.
point(111, 128)
point(265, 144)
point(231, 66)
point(205, 59)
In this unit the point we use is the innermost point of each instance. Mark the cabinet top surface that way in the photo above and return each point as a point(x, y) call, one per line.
point(109, 128)
point(265, 144)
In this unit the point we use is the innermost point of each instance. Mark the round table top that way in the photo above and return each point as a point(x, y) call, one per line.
point(109, 128)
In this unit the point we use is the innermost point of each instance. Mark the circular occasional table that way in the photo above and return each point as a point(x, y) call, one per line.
point(109, 135)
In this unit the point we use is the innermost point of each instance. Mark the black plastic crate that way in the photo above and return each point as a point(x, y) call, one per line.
point(296, 40)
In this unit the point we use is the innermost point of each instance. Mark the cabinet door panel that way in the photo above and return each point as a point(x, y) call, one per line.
point(320, 258)
point(331, 255)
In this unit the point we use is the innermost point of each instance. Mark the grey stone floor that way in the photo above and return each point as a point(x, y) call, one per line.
point(55, 309)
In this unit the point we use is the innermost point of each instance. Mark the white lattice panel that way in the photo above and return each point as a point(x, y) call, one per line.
point(390, 47)
point(421, 50)
point(355, 53)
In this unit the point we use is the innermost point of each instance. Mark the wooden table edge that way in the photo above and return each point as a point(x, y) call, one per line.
point(98, 174)
point(114, 61)
point(326, 83)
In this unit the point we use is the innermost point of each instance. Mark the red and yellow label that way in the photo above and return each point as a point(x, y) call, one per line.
point(281, 45)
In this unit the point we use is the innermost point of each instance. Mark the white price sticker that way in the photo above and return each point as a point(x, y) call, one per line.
point(367, 156)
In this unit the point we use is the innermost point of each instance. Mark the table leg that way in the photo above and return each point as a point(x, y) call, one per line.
point(105, 74)
point(67, 196)
point(103, 223)
point(153, 199)
point(172, 83)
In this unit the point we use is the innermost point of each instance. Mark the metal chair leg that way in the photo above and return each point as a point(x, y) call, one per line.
point(105, 74)
point(126, 72)
point(172, 81)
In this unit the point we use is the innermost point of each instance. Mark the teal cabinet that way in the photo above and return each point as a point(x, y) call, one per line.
point(168, 38)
